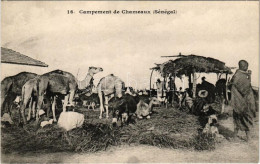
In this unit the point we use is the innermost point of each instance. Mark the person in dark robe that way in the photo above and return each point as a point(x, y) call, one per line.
point(205, 85)
point(242, 100)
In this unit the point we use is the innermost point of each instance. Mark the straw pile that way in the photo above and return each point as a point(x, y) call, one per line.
point(169, 128)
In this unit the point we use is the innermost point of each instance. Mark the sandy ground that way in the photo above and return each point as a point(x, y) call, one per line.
point(227, 151)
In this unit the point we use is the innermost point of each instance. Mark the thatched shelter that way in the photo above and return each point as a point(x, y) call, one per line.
point(187, 64)
point(190, 65)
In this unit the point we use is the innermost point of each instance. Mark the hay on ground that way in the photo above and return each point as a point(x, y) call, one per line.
point(169, 128)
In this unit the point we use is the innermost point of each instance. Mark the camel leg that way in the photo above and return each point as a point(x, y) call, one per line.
point(101, 104)
point(48, 105)
point(2, 108)
point(5, 108)
point(33, 108)
point(106, 106)
point(37, 115)
point(23, 116)
point(48, 112)
point(223, 105)
point(101, 111)
point(2, 104)
point(19, 117)
point(39, 105)
point(24, 102)
point(53, 109)
point(93, 105)
point(30, 110)
point(65, 103)
point(71, 97)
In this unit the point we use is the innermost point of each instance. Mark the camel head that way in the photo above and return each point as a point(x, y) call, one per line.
point(95, 70)
point(154, 101)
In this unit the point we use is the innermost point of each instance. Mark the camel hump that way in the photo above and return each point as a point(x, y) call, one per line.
point(23, 75)
point(24, 72)
point(58, 71)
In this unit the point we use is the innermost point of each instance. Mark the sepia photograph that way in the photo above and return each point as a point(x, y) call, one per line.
point(129, 81)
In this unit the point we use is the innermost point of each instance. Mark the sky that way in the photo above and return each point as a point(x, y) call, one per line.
point(129, 45)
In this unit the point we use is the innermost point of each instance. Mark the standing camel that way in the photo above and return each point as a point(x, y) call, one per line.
point(107, 86)
point(55, 83)
point(11, 87)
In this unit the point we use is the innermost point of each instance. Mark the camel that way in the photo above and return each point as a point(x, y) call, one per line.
point(107, 86)
point(144, 109)
point(55, 83)
point(36, 88)
point(11, 87)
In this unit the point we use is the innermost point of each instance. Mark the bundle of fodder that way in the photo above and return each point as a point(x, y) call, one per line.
point(32, 139)
point(202, 142)
point(93, 137)
point(162, 140)
point(51, 138)
point(169, 128)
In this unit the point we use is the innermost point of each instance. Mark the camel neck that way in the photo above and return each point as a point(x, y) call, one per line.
point(90, 74)
point(88, 78)
point(86, 82)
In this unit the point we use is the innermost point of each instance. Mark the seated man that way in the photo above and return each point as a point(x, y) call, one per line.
point(205, 85)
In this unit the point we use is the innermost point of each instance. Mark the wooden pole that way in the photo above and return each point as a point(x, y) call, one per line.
point(227, 88)
point(170, 83)
point(164, 85)
point(174, 88)
point(194, 82)
point(151, 82)
point(189, 81)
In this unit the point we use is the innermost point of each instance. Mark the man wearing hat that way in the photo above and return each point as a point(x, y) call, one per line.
point(210, 88)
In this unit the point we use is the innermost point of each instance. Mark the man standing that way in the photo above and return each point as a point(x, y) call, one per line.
point(159, 86)
point(242, 99)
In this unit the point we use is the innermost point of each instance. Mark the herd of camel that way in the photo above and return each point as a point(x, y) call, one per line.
point(34, 88)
